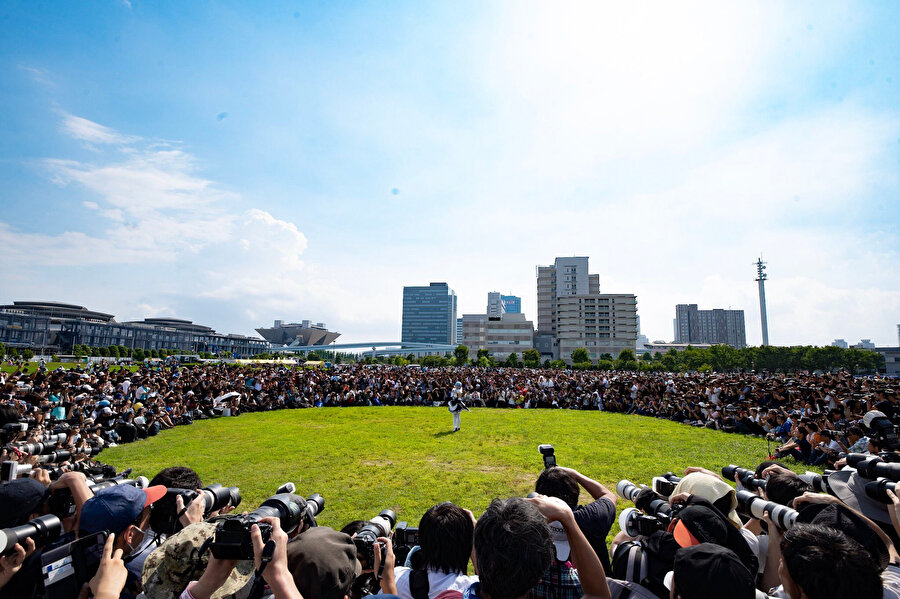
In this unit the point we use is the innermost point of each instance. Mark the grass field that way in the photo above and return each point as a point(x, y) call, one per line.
point(31, 367)
point(363, 460)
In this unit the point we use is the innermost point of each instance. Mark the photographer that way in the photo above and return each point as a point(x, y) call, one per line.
point(594, 519)
point(445, 547)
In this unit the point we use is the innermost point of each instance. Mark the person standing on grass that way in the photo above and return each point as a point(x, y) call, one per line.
point(456, 404)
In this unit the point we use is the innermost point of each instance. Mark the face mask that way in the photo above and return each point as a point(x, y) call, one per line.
point(133, 548)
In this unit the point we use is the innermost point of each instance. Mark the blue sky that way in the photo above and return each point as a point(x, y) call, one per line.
point(234, 163)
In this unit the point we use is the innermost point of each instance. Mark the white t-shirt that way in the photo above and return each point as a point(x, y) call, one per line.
point(437, 582)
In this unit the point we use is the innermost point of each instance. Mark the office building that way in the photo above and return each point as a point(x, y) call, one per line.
point(429, 314)
point(839, 343)
point(459, 331)
point(572, 313)
point(298, 333)
point(53, 327)
point(716, 326)
point(512, 304)
point(864, 344)
point(499, 335)
point(495, 305)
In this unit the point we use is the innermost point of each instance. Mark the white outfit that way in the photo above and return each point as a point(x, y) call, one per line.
point(438, 582)
point(455, 397)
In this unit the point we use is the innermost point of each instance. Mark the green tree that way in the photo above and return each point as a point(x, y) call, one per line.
point(27, 354)
point(483, 353)
point(546, 363)
point(484, 362)
point(581, 356)
point(512, 361)
point(95, 352)
point(113, 351)
point(461, 353)
point(12, 352)
point(2, 350)
point(313, 356)
point(531, 358)
point(646, 357)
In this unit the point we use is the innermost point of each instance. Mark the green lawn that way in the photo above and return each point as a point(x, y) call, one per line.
point(363, 460)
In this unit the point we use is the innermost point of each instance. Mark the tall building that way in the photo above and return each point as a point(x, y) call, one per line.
point(500, 336)
point(429, 314)
point(839, 343)
point(459, 331)
point(513, 304)
point(864, 344)
point(495, 305)
point(572, 313)
point(716, 326)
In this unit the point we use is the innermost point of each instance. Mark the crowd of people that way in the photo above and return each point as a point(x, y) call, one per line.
point(163, 538)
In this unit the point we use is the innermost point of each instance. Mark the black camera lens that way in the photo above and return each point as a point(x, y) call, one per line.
point(41, 530)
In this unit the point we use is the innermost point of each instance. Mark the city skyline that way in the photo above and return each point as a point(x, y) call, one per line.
point(233, 165)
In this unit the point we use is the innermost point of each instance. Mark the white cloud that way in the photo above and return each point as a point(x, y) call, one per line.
point(93, 133)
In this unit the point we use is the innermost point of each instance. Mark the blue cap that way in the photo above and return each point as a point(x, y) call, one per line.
point(20, 498)
point(115, 508)
point(102, 403)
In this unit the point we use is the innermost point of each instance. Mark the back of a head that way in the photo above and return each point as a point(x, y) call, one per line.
point(445, 536)
point(556, 482)
point(513, 548)
point(784, 488)
point(827, 564)
point(178, 477)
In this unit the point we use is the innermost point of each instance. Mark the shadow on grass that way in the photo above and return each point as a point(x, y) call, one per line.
point(443, 433)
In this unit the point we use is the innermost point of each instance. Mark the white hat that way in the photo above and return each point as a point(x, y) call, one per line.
point(560, 541)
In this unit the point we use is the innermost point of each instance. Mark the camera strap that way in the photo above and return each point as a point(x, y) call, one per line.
point(418, 584)
point(259, 585)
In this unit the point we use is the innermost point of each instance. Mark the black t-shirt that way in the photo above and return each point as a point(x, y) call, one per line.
point(595, 519)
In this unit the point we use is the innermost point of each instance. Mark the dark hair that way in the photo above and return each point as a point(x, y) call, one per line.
point(353, 527)
point(177, 477)
point(827, 564)
point(765, 464)
point(556, 482)
point(445, 536)
point(855, 430)
point(784, 488)
point(513, 548)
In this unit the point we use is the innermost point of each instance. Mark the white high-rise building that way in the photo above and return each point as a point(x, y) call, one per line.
point(495, 305)
point(572, 313)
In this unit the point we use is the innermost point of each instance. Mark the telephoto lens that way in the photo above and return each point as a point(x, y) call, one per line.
point(11, 470)
point(367, 536)
point(819, 482)
point(877, 490)
point(873, 467)
point(217, 497)
point(315, 503)
point(665, 484)
point(232, 540)
point(627, 489)
point(636, 524)
point(750, 504)
point(747, 477)
point(42, 530)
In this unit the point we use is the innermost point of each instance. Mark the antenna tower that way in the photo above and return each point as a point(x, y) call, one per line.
point(761, 279)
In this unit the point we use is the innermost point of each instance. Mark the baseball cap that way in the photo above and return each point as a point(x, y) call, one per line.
point(708, 571)
point(114, 508)
point(323, 563)
point(560, 541)
point(178, 561)
point(20, 498)
point(711, 489)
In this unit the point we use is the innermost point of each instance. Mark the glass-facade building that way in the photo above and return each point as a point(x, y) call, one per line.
point(512, 304)
point(429, 314)
point(55, 327)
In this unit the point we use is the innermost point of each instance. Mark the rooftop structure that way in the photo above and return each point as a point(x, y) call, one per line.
point(298, 333)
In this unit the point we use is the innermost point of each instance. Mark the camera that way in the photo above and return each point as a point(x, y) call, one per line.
point(747, 477)
point(41, 530)
point(405, 538)
point(880, 427)
point(665, 484)
point(873, 467)
point(11, 470)
point(232, 538)
point(753, 505)
point(164, 516)
point(549, 457)
point(657, 513)
point(367, 536)
point(877, 490)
